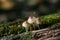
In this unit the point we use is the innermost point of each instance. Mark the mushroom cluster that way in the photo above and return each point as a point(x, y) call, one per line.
point(33, 21)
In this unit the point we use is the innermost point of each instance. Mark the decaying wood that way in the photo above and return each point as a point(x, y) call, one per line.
point(43, 34)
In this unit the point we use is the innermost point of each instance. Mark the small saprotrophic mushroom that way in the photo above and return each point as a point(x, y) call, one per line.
point(38, 21)
point(26, 25)
point(31, 20)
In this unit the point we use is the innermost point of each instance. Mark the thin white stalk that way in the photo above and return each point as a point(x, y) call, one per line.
point(26, 28)
point(38, 26)
point(33, 26)
point(30, 28)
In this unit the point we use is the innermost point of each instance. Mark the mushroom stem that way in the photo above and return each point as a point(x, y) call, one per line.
point(26, 28)
point(38, 26)
point(30, 28)
point(33, 26)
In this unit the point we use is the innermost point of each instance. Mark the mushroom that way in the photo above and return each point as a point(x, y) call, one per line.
point(31, 20)
point(26, 25)
point(38, 22)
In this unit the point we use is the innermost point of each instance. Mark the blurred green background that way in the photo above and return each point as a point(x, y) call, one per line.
point(17, 9)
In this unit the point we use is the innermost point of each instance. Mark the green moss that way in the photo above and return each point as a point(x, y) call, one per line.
point(49, 19)
point(13, 29)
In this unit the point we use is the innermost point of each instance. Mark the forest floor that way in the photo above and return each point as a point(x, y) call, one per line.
point(42, 34)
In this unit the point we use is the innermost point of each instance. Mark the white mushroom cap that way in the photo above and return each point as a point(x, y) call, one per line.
point(31, 19)
point(25, 24)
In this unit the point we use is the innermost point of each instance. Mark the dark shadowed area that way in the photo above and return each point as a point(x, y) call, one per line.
point(17, 9)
